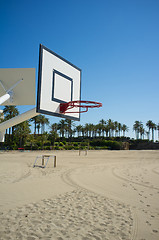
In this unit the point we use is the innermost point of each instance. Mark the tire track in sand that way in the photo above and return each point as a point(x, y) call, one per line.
point(130, 181)
point(66, 177)
point(22, 177)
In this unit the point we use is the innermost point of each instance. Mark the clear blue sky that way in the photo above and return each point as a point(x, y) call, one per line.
point(115, 43)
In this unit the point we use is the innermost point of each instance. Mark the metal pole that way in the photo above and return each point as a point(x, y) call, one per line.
point(43, 160)
point(54, 161)
point(9, 92)
point(4, 98)
point(11, 88)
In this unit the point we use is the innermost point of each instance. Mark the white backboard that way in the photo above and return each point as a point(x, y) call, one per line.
point(24, 92)
point(59, 81)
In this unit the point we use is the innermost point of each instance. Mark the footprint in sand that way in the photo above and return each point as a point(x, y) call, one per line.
point(148, 223)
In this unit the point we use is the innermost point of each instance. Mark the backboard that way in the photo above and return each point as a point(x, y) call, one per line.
point(24, 92)
point(59, 81)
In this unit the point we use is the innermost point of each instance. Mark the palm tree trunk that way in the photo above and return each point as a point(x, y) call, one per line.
point(149, 133)
point(35, 127)
point(153, 134)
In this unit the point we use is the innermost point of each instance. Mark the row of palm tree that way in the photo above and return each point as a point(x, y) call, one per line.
point(109, 128)
point(140, 131)
point(67, 128)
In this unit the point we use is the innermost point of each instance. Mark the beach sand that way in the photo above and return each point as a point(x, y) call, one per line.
point(106, 195)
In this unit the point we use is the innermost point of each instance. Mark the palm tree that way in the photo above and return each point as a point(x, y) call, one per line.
point(10, 112)
point(142, 131)
point(78, 130)
point(103, 123)
point(148, 124)
point(91, 130)
point(147, 134)
point(83, 131)
point(53, 136)
point(43, 121)
point(54, 127)
point(113, 129)
point(36, 121)
point(99, 129)
point(38, 128)
point(62, 127)
point(43, 139)
point(124, 129)
point(136, 128)
point(116, 128)
point(106, 129)
point(119, 128)
point(110, 125)
point(151, 126)
point(69, 124)
point(158, 130)
point(87, 129)
point(22, 131)
point(95, 130)
point(1, 116)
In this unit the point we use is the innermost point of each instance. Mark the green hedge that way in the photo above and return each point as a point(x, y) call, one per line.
point(68, 147)
point(112, 145)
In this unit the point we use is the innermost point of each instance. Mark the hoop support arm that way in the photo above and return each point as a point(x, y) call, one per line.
point(9, 93)
point(18, 119)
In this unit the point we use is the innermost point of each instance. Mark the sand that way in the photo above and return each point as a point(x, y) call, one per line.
point(106, 195)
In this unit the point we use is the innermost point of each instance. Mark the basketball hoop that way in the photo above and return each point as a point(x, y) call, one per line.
point(65, 107)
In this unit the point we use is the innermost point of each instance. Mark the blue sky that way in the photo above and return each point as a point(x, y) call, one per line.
point(115, 43)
